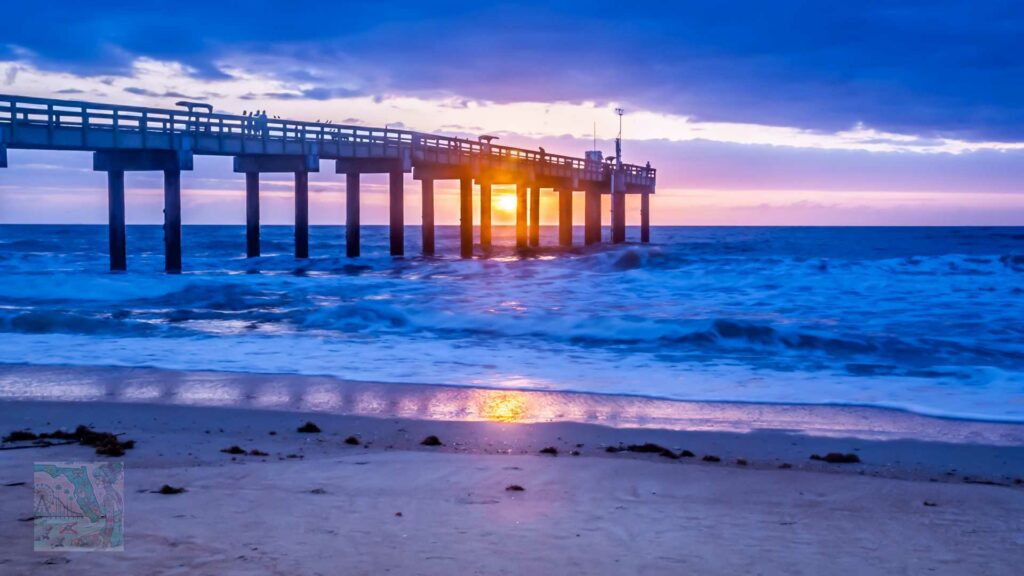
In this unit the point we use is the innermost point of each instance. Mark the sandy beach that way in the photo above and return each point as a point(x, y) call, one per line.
point(315, 504)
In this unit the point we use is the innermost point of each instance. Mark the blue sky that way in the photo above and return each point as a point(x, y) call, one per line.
point(755, 112)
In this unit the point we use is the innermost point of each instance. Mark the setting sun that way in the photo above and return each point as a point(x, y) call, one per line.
point(505, 203)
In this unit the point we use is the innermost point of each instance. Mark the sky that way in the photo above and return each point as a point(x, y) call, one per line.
point(754, 113)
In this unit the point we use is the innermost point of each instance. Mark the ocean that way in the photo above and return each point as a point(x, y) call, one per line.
point(929, 320)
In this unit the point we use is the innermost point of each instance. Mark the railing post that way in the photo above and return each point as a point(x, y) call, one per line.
point(49, 124)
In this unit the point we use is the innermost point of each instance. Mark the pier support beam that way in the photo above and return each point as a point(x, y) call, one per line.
point(352, 214)
point(618, 218)
point(396, 205)
point(466, 217)
point(521, 215)
point(3, 155)
point(300, 165)
point(565, 217)
point(485, 214)
point(302, 215)
point(534, 215)
point(645, 217)
point(428, 217)
point(592, 217)
point(115, 163)
point(115, 220)
point(395, 168)
point(252, 214)
point(172, 221)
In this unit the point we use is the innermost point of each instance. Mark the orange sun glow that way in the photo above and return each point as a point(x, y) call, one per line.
point(505, 203)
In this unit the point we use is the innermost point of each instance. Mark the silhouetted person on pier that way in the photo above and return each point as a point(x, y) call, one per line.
point(263, 124)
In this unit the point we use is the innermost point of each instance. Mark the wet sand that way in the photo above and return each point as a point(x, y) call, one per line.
point(316, 505)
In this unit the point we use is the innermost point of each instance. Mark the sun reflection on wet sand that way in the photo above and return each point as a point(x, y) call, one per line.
point(502, 406)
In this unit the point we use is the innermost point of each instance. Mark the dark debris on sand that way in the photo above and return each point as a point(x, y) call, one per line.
point(837, 458)
point(255, 452)
point(233, 450)
point(309, 428)
point(515, 488)
point(711, 458)
point(352, 441)
point(168, 489)
point(550, 450)
point(651, 448)
point(432, 441)
point(105, 443)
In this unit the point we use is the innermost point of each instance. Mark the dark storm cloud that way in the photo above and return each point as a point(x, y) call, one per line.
point(935, 69)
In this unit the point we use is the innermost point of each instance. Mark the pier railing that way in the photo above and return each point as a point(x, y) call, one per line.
point(68, 124)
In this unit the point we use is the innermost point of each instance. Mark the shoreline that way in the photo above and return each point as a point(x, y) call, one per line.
point(312, 503)
point(13, 366)
point(330, 394)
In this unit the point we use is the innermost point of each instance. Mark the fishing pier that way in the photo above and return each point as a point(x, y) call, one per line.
point(132, 138)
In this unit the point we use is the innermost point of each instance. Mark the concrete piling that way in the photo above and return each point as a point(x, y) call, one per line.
point(565, 216)
point(645, 217)
point(428, 217)
point(466, 217)
point(521, 215)
point(172, 221)
point(302, 215)
point(534, 215)
point(396, 206)
point(352, 214)
point(115, 220)
point(592, 216)
point(252, 214)
point(485, 214)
